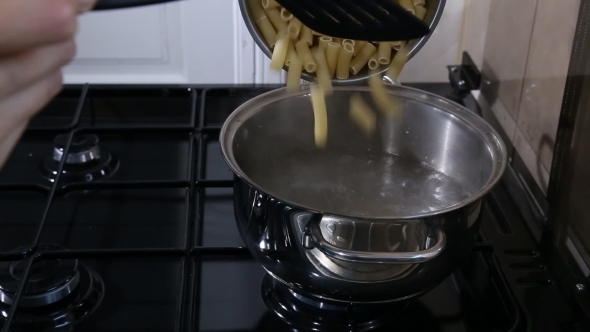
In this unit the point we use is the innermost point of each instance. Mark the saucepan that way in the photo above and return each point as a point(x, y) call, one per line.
point(353, 222)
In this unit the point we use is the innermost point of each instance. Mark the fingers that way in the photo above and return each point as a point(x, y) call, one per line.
point(20, 71)
point(85, 5)
point(25, 24)
point(19, 108)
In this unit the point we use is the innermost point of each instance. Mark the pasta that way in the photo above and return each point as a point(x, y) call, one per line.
point(285, 15)
point(323, 42)
point(306, 35)
point(275, 18)
point(268, 13)
point(322, 72)
point(362, 115)
point(320, 114)
point(294, 28)
point(305, 55)
point(268, 32)
point(389, 106)
point(362, 58)
point(397, 64)
point(299, 48)
point(420, 12)
point(344, 58)
point(294, 73)
point(384, 53)
point(408, 5)
point(291, 54)
point(332, 51)
point(397, 45)
point(270, 4)
point(280, 53)
point(373, 62)
point(358, 47)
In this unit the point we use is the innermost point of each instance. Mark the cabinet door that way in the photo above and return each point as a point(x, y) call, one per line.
point(191, 41)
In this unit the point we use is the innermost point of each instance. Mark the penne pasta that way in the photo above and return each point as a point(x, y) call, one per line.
point(269, 4)
point(332, 51)
point(362, 115)
point(286, 15)
point(322, 72)
point(373, 62)
point(275, 18)
point(299, 48)
point(362, 58)
point(257, 10)
point(291, 53)
point(387, 104)
point(279, 53)
point(397, 64)
point(420, 12)
point(397, 45)
point(408, 5)
point(267, 31)
point(358, 46)
point(294, 73)
point(294, 28)
point(306, 57)
point(384, 53)
point(344, 58)
point(323, 42)
point(320, 115)
point(306, 35)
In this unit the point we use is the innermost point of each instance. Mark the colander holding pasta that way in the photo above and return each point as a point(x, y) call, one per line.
point(280, 36)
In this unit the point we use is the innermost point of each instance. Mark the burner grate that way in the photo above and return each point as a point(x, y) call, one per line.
point(198, 129)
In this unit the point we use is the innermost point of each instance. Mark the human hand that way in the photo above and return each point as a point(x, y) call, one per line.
point(36, 41)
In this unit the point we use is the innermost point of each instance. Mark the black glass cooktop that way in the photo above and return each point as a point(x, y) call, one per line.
point(134, 230)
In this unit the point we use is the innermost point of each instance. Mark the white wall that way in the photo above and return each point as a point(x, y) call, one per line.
point(443, 48)
point(206, 41)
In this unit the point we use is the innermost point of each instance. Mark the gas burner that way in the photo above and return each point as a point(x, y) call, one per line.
point(85, 161)
point(59, 292)
point(309, 314)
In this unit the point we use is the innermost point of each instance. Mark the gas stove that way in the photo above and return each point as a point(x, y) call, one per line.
point(134, 231)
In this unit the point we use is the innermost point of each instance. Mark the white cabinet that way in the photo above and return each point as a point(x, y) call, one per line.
point(206, 41)
point(191, 41)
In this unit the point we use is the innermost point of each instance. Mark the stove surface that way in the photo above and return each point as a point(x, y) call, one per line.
point(138, 231)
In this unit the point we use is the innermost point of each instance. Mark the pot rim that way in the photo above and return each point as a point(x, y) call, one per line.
point(487, 133)
point(416, 45)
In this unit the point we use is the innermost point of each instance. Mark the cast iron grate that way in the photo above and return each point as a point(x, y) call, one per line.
point(199, 129)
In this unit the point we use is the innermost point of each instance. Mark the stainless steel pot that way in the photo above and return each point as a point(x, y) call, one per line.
point(434, 10)
point(354, 223)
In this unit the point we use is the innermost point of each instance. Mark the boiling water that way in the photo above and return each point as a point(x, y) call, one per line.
point(359, 184)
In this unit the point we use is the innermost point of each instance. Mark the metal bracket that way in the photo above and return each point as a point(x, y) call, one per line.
point(464, 78)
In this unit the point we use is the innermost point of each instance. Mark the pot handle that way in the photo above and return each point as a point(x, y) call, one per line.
point(313, 238)
point(118, 4)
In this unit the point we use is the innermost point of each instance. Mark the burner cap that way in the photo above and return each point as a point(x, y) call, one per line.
point(312, 315)
point(49, 280)
point(63, 314)
point(84, 148)
point(85, 161)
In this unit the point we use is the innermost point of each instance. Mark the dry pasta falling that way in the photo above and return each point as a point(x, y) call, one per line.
point(362, 115)
point(297, 47)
